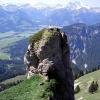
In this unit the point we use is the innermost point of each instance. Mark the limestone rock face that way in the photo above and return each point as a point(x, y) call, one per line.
point(49, 55)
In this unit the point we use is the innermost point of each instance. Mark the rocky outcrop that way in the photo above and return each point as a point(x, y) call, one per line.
point(48, 54)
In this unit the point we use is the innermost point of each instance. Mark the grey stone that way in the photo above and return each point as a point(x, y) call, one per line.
point(52, 59)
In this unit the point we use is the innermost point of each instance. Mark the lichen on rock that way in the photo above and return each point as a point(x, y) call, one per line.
point(48, 55)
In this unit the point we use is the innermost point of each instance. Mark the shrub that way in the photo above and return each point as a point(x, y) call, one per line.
point(77, 89)
point(8, 85)
point(49, 88)
point(93, 87)
point(96, 85)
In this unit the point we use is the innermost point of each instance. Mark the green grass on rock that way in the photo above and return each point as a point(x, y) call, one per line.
point(36, 88)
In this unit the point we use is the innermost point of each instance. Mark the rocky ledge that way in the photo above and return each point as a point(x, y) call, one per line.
point(48, 55)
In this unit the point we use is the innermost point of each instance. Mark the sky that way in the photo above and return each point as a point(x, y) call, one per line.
point(52, 3)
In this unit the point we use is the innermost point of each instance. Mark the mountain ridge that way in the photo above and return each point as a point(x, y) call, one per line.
point(23, 18)
point(84, 44)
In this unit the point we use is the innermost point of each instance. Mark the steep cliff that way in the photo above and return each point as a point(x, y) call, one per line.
point(48, 55)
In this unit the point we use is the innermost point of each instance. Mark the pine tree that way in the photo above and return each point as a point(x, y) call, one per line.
point(96, 86)
point(93, 87)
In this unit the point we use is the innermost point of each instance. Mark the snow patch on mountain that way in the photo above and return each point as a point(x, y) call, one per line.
point(95, 32)
point(85, 65)
point(74, 61)
point(84, 50)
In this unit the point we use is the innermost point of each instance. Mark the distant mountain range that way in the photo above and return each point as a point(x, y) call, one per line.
point(25, 17)
point(84, 44)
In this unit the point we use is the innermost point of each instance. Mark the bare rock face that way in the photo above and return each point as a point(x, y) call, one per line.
point(48, 54)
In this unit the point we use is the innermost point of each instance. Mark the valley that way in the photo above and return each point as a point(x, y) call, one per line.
point(11, 54)
point(83, 40)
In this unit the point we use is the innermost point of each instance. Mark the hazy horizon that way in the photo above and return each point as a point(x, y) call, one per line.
point(52, 3)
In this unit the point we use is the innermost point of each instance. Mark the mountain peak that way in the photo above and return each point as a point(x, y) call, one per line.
point(76, 5)
point(48, 55)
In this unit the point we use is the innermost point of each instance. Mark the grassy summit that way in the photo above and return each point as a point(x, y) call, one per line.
point(36, 37)
point(43, 35)
point(47, 33)
point(36, 88)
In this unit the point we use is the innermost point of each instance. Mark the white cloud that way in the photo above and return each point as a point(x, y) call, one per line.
point(90, 3)
point(36, 2)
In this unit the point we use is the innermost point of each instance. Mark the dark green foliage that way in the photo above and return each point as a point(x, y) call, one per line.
point(98, 67)
point(82, 73)
point(79, 74)
point(75, 76)
point(93, 87)
point(49, 86)
point(77, 89)
point(96, 85)
point(8, 85)
point(36, 37)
